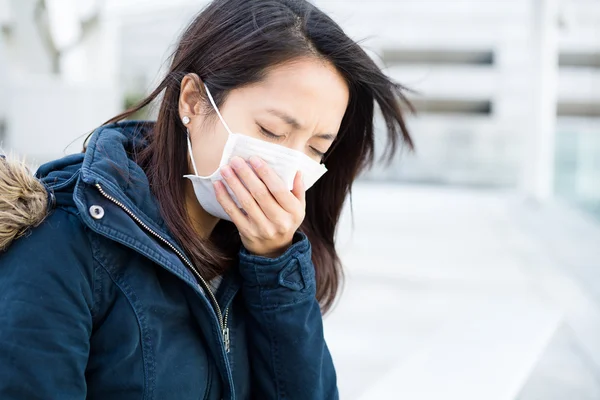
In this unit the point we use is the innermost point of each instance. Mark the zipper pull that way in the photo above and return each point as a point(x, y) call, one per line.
point(226, 339)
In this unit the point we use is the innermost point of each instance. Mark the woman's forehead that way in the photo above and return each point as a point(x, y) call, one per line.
point(304, 90)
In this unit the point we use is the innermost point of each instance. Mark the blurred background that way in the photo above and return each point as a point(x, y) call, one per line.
point(473, 264)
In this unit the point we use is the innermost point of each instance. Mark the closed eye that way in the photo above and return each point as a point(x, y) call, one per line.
point(269, 134)
point(272, 136)
point(317, 152)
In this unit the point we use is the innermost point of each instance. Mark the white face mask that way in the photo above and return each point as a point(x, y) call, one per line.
point(284, 161)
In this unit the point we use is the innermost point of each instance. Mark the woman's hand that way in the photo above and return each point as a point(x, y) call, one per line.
point(273, 212)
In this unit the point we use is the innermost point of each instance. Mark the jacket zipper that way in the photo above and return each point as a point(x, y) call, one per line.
point(226, 331)
point(222, 321)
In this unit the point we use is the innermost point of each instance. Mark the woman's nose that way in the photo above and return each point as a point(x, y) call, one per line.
point(298, 144)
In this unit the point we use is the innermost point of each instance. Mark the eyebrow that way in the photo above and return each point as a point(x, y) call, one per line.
point(293, 122)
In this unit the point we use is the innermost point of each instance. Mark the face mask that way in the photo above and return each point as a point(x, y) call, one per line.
point(284, 161)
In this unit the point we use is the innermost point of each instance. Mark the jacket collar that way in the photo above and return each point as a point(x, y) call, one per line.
point(108, 163)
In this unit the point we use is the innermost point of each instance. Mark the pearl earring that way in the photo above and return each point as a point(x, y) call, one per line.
point(185, 120)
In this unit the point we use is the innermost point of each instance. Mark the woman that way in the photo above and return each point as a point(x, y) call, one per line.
point(181, 259)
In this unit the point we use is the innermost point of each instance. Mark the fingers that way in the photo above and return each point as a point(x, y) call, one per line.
point(259, 190)
point(274, 184)
point(273, 213)
point(299, 190)
point(237, 216)
point(263, 195)
point(245, 199)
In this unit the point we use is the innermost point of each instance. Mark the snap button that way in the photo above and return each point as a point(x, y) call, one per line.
point(97, 212)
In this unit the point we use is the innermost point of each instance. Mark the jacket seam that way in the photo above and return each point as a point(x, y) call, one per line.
point(97, 289)
point(145, 357)
point(274, 346)
point(143, 216)
point(274, 306)
point(92, 282)
point(62, 185)
point(143, 249)
point(96, 284)
point(208, 383)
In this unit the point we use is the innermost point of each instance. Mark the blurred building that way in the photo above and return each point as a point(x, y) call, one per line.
point(57, 75)
point(471, 65)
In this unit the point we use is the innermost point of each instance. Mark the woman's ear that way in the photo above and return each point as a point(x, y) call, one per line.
point(190, 96)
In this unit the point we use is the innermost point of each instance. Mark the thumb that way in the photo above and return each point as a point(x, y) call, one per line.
point(298, 189)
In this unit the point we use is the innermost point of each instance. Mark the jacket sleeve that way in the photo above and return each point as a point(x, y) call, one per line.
point(288, 354)
point(46, 298)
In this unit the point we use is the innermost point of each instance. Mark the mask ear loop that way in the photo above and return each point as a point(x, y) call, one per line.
point(212, 102)
point(190, 151)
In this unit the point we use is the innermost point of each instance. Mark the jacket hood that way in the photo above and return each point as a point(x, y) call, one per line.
point(26, 199)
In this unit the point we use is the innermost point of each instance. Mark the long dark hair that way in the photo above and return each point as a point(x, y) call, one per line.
point(233, 43)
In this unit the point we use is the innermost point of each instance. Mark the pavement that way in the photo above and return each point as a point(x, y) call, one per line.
point(466, 294)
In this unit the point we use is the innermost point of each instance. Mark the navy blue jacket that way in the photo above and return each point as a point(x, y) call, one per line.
point(99, 302)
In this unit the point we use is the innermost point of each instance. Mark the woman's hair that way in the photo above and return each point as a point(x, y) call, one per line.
point(231, 44)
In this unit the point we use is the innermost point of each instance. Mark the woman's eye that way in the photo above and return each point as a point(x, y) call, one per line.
point(317, 152)
point(270, 135)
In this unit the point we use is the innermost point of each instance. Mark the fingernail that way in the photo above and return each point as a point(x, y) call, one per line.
point(255, 162)
point(226, 171)
point(237, 162)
